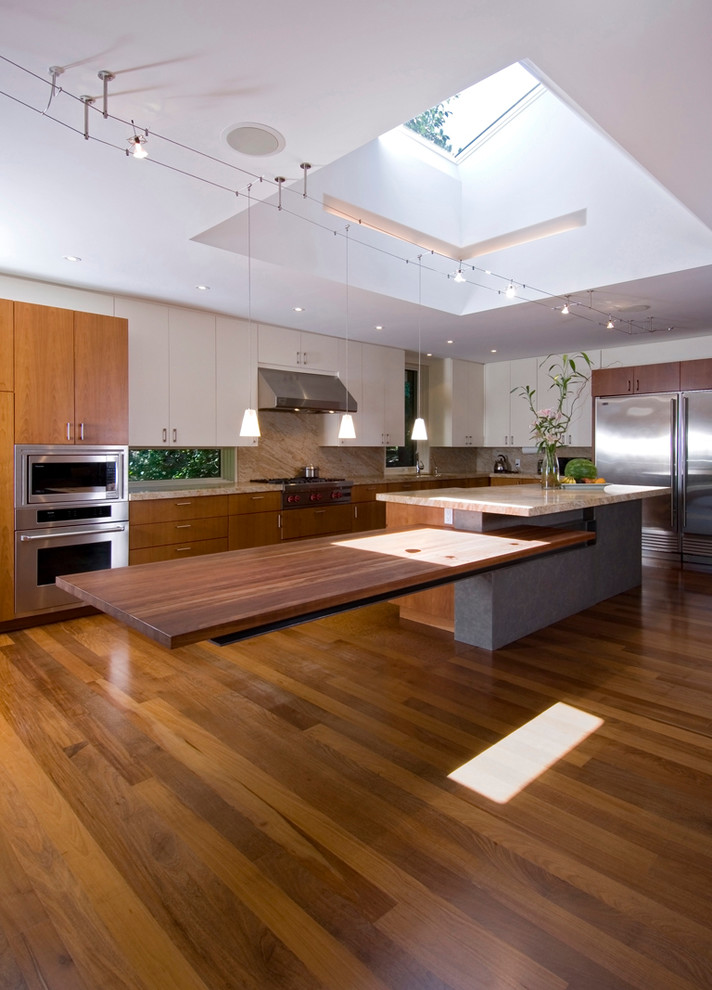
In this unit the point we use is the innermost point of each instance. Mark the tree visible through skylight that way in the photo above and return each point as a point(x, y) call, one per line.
point(455, 125)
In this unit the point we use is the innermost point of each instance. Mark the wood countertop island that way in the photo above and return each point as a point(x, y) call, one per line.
point(246, 592)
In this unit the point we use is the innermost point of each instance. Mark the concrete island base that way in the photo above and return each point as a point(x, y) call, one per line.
point(493, 609)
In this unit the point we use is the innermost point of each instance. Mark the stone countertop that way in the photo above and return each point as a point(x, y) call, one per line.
point(248, 488)
point(523, 500)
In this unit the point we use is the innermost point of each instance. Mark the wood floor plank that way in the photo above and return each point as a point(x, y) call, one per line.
point(276, 815)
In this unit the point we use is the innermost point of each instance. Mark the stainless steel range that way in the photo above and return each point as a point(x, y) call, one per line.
point(303, 492)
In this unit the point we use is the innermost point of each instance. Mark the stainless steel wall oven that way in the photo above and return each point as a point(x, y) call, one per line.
point(71, 515)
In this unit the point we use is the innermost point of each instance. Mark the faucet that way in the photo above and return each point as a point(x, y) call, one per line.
point(418, 465)
point(434, 466)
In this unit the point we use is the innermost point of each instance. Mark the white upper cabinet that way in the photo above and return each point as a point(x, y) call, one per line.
point(456, 403)
point(192, 378)
point(507, 416)
point(382, 418)
point(282, 348)
point(171, 375)
point(349, 363)
point(235, 379)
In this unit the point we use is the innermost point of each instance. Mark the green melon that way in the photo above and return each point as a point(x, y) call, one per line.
point(580, 468)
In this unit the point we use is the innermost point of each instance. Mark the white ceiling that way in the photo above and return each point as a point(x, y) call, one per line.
point(623, 143)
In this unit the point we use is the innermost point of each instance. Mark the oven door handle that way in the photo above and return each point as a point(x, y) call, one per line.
point(52, 534)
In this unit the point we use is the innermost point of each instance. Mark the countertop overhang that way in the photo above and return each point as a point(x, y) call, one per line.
point(523, 500)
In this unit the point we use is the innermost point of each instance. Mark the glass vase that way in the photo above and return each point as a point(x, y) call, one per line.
point(550, 467)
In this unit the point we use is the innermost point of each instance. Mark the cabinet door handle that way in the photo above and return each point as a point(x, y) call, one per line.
point(175, 434)
point(299, 357)
point(81, 431)
point(164, 431)
point(69, 431)
point(304, 358)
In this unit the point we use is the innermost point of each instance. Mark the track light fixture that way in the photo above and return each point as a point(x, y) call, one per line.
point(459, 277)
point(136, 146)
point(565, 308)
point(610, 325)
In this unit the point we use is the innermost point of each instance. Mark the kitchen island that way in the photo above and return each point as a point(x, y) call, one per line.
point(493, 609)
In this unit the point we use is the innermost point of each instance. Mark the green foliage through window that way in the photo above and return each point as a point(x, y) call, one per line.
point(174, 464)
point(431, 125)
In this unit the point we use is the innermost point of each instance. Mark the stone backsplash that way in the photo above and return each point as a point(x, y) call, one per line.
point(290, 441)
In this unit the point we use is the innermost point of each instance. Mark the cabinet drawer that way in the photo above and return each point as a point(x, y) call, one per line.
point(299, 523)
point(169, 509)
point(152, 555)
point(165, 533)
point(367, 493)
point(257, 502)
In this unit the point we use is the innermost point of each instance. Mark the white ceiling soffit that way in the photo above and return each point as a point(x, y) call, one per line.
point(456, 252)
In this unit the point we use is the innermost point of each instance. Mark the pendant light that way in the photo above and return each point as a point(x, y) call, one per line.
point(419, 432)
point(250, 424)
point(347, 430)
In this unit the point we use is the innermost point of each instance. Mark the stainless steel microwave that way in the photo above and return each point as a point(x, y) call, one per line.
point(64, 473)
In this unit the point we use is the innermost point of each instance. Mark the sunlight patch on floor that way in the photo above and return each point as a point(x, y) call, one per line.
point(508, 766)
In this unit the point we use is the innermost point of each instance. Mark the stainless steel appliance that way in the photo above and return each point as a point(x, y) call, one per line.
point(71, 515)
point(663, 439)
point(305, 492)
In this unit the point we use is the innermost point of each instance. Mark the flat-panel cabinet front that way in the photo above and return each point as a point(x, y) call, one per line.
point(280, 347)
point(71, 376)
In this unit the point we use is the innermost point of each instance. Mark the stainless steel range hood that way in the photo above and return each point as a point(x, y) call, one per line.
point(303, 391)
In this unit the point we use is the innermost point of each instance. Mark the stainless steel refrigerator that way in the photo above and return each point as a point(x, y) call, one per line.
point(663, 439)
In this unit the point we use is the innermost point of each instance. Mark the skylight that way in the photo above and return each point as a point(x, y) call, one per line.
point(456, 126)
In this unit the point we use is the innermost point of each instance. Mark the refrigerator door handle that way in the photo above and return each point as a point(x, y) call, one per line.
point(682, 469)
point(674, 460)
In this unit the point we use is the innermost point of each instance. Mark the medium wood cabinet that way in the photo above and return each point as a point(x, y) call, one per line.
point(170, 529)
point(696, 374)
point(71, 376)
point(299, 524)
point(6, 345)
point(7, 521)
point(255, 520)
point(641, 379)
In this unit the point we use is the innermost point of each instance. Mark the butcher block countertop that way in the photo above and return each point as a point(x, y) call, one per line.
point(524, 500)
point(247, 592)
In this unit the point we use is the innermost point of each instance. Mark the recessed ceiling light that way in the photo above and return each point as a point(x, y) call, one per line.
point(203, 288)
point(493, 351)
point(449, 342)
point(378, 327)
point(298, 309)
point(71, 257)
point(429, 354)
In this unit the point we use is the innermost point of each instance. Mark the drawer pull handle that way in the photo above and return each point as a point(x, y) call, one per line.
point(182, 549)
point(183, 525)
point(184, 503)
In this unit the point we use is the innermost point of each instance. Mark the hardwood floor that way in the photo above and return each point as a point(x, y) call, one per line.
point(277, 813)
